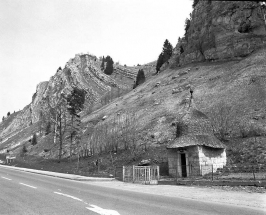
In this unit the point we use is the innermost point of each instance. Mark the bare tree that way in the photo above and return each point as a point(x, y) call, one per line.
point(221, 118)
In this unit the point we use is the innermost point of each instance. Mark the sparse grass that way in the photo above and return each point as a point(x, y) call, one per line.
point(214, 83)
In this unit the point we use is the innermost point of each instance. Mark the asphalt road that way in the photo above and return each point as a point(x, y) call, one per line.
point(28, 193)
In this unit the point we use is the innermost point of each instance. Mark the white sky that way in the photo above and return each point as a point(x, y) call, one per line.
point(38, 36)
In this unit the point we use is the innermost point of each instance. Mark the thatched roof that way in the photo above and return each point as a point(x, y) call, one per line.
point(195, 129)
point(196, 140)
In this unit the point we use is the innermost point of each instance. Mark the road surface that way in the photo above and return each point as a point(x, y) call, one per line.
point(28, 193)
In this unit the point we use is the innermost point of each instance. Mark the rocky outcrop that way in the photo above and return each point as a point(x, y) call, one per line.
point(83, 71)
point(220, 30)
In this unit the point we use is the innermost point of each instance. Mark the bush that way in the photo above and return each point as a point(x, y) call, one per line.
point(250, 131)
point(24, 150)
point(34, 139)
point(244, 27)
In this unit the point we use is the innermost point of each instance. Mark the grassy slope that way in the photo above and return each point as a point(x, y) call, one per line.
point(237, 84)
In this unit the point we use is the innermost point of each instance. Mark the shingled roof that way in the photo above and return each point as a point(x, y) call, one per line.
point(196, 129)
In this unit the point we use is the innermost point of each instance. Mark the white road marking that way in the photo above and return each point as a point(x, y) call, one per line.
point(28, 185)
point(93, 208)
point(72, 197)
point(102, 211)
point(7, 178)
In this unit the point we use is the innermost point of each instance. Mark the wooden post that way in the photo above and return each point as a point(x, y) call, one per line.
point(253, 173)
point(158, 173)
point(149, 172)
point(123, 174)
point(133, 173)
point(212, 172)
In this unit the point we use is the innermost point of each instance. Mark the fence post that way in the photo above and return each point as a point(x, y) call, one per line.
point(176, 172)
point(212, 172)
point(133, 173)
point(149, 174)
point(158, 173)
point(123, 173)
point(253, 173)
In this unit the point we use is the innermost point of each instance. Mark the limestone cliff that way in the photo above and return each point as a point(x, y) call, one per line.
point(82, 71)
point(219, 30)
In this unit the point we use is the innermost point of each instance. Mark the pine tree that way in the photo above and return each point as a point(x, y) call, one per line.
point(75, 103)
point(167, 50)
point(165, 54)
point(3, 119)
point(102, 64)
point(8, 114)
point(159, 62)
point(140, 77)
point(195, 2)
point(109, 65)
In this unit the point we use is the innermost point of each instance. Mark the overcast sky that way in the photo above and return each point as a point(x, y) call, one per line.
point(38, 36)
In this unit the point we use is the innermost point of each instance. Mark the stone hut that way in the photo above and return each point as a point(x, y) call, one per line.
point(195, 150)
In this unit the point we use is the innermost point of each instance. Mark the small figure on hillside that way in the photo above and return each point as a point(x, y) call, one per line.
point(191, 96)
point(191, 92)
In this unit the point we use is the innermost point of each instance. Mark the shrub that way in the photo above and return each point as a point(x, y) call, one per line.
point(34, 139)
point(244, 27)
point(24, 150)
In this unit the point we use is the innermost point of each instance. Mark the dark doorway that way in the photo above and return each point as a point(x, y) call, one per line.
point(183, 165)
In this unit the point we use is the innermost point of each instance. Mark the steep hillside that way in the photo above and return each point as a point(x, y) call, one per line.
point(222, 59)
point(231, 93)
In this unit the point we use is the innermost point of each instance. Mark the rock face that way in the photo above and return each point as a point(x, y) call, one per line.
point(220, 30)
point(83, 71)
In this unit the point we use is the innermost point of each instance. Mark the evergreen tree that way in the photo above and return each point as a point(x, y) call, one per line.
point(159, 62)
point(34, 139)
point(140, 78)
point(195, 2)
point(165, 54)
point(102, 65)
point(3, 118)
point(187, 25)
point(109, 65)
point(167, 50)
point(8, 114)
point(75, 103)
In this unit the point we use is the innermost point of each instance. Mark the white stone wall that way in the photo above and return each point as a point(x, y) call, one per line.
point(211, 156)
